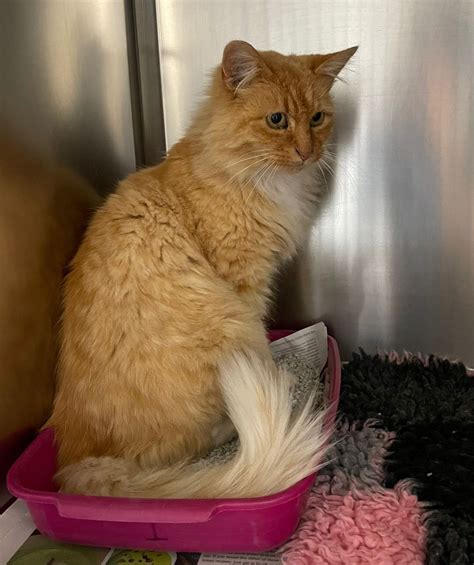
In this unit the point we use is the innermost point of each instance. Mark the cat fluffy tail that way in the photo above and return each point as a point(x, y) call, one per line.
point(277, 448)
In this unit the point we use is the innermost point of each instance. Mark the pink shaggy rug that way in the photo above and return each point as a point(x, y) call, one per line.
point(380, 528)
point(350, 518)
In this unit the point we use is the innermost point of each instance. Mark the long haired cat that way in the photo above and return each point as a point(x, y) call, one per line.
point(43, 213)
point(164, 348)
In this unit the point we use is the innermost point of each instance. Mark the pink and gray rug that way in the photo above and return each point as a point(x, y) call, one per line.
point(400, 485)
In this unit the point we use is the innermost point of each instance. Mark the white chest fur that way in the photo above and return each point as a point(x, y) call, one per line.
point(296, 194)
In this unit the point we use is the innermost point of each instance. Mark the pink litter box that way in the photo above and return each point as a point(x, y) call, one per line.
point(220, 525)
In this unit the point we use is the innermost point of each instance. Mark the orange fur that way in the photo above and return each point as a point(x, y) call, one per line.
point(43, 213)
point(175, 271)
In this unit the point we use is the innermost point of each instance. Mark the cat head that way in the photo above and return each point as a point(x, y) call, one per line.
point(268, 109)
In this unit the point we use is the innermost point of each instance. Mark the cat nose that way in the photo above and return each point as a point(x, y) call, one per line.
point(303, 154)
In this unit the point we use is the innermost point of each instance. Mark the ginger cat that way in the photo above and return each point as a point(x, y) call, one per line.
point(164, 348)
point(43, 213)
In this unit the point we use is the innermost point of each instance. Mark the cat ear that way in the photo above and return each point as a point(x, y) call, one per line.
point(327, 67)
point(240, 64)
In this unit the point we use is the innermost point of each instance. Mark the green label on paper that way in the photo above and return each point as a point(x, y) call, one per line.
point(125, 557)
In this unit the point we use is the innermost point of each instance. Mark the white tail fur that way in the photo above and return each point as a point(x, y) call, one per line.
point(277, 449)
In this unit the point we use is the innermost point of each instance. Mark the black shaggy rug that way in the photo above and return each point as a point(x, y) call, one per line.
point(429, 405)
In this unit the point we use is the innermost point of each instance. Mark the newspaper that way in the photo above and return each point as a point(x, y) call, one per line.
point(15, 527)
point(239, 559)
point(310, 345)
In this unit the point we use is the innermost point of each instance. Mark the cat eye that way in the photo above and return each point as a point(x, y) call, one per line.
point(277, 120)
point(316, 119)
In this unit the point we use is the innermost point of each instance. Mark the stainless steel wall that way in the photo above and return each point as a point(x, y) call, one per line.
point(391, 258)
point(65, 83)
point(390, 262)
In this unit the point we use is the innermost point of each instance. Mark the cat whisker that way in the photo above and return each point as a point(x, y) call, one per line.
point(327, 166)
point(324, 177)
point(252, 190)
point(265, 170)
point(327, 156)
point(253, 177)
point(274, 170)
point(246, 159)
point(245, 168)
point(270, 173)
point(249, 196)
point(252, 180)
point(253, 152)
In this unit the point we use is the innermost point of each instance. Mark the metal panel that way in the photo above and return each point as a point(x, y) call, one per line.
point(390, 262)
point(144, 69)
point(65, 83)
